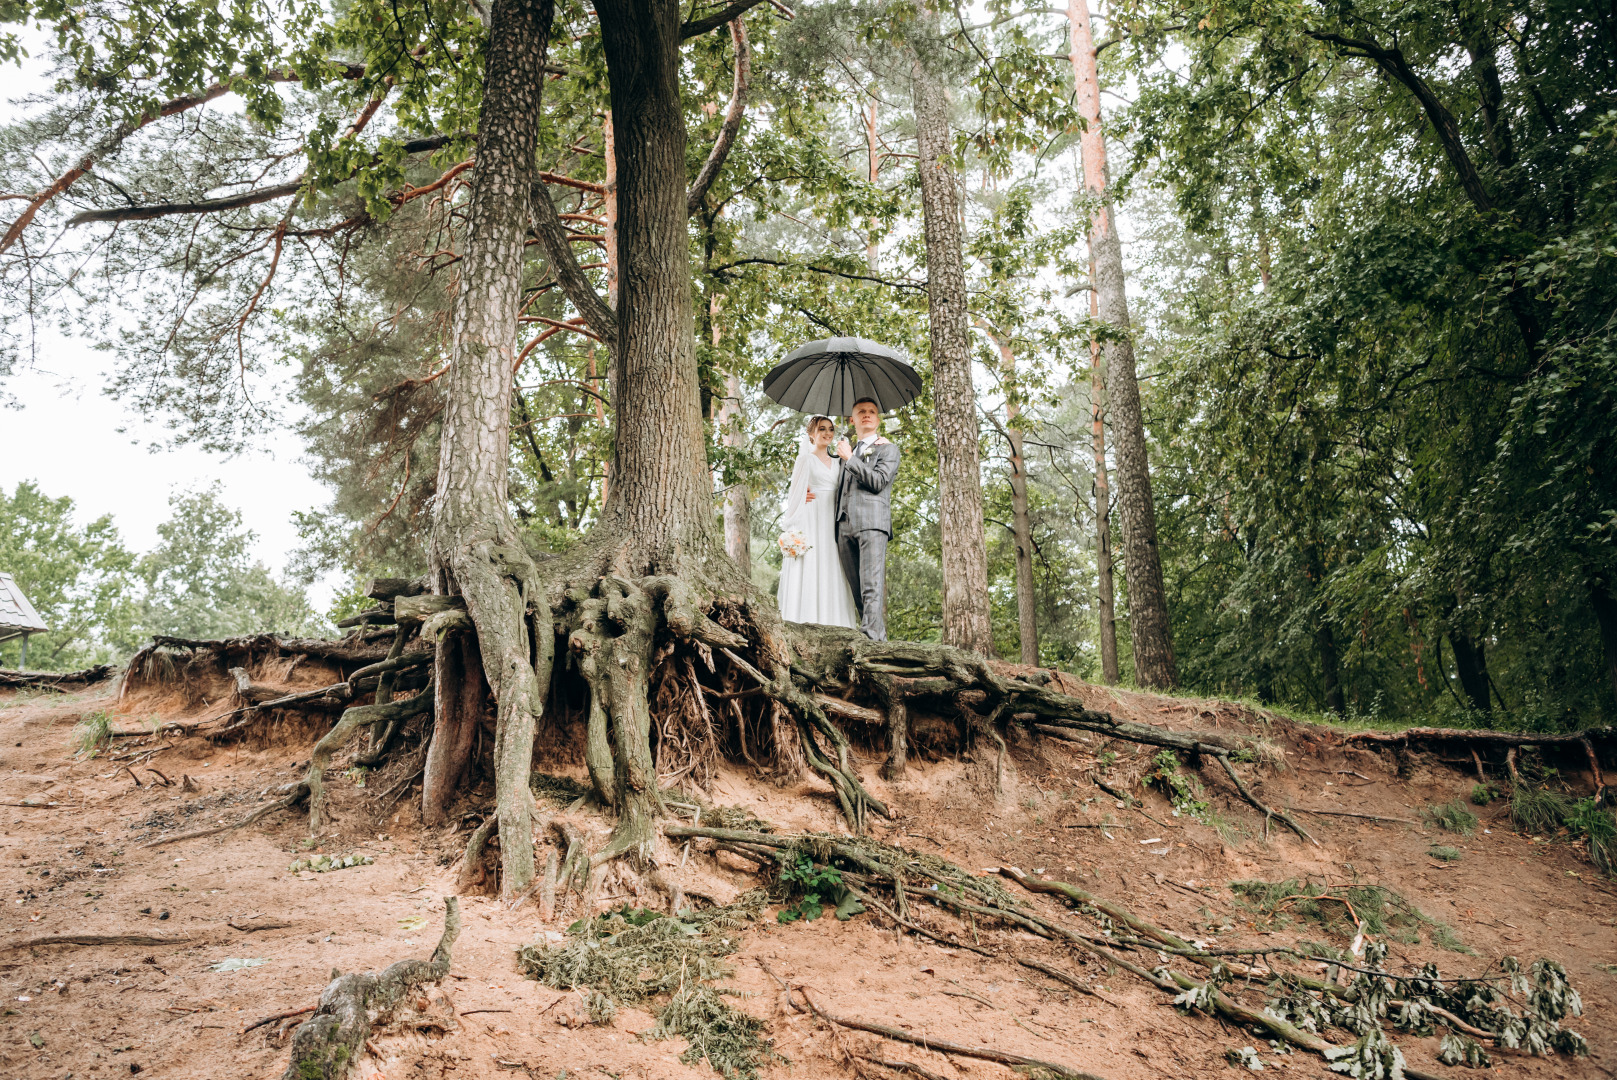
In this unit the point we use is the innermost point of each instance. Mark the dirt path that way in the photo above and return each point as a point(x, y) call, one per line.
point(74, 864)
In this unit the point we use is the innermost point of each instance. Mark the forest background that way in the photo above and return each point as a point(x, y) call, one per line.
point(1371, 275)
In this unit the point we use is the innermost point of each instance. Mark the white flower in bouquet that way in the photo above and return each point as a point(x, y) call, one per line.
point(794, 545)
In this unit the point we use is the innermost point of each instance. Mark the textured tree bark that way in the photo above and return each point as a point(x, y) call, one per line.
point(1027, 618)
point(661, 493)
point(458, 675)
point(1106, 601)
point(1148, 603)
point(966, 615)
point(476, 549)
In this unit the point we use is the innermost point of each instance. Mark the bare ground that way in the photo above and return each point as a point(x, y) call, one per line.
point(74, 864)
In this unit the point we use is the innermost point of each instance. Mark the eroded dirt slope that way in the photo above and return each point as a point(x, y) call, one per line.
point(75, 863)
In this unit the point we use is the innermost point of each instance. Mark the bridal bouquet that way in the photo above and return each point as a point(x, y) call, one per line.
point(794, 545)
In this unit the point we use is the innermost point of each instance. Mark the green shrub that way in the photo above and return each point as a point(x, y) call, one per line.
point(1444, 854)
point(816, 888)
point(1452, 816)
point(1597, 826)
point(1537, 810)
point(1182, 791)
point(1483, 794)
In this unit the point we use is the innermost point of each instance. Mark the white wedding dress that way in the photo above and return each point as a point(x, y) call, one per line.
point(812, 587)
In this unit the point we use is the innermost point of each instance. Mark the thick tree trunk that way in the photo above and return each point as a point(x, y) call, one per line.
point(1107, 602)
point(1148, 604)
point(966, 615)
point(737, 506)
point(476, 549)
point(1471, 664)
point(660, 504)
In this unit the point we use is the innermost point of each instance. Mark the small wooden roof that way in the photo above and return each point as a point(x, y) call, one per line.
point(17, 615)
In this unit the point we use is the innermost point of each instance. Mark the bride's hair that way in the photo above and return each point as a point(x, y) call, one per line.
point(814, 422)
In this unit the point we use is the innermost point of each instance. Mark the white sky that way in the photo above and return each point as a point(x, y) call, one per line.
point(65, 436)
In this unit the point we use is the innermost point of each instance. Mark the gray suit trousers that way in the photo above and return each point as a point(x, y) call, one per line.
point(863, 556)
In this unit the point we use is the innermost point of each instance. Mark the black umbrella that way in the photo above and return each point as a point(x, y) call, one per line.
point(829, 376)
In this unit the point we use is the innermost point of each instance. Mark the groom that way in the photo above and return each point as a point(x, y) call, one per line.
point(865, 515)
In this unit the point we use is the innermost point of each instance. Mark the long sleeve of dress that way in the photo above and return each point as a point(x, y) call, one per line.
point(792, 515)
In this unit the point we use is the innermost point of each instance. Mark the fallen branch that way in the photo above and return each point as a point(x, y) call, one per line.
point(278, 1016)
point(55, 679)
point(97, 939)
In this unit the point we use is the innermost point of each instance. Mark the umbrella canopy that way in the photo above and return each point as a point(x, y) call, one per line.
point(829, 376)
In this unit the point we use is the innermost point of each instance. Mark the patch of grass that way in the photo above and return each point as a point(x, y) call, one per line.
point(1444, 854)
point(1599, 828)
point(1483, 794)
point(1381, 911)
point(1538, 810)
point(1452, 816)
point(91, 733)
point(633, 957)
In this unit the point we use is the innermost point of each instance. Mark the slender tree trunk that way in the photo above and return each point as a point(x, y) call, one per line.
point(476, 548)
point(737, 506)
point(1471, 664)
point(1103, 506)
point(1027, 618)
point(1331, 664)
point(1605, 605)
point(1148, 604)
point(966, 615)
point(874, 163)
point(1324, 639)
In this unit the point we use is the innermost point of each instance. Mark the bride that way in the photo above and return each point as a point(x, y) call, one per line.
point(812, 586)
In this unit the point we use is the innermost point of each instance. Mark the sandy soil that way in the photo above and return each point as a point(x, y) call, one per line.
point(74, 863)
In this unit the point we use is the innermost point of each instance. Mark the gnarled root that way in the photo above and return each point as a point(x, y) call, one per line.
point(388, 712)
point(325, 1045)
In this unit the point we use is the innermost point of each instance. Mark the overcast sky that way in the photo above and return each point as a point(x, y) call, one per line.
point(65, 435)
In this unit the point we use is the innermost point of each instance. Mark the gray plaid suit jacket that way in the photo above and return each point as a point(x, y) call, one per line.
point(864, 490)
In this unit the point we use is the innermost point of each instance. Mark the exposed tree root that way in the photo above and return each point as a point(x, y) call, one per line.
point(326, 1045)
point(314, 781)
point(1404, 1000)
point(294, 794)
point(942, 1046)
